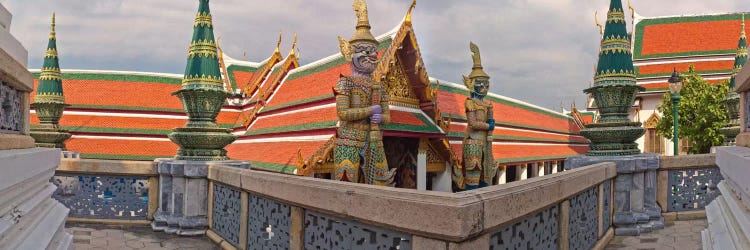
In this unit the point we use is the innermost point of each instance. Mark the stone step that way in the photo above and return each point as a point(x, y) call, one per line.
point(41, 236)
point(738, 215)
point(720, 238)
point(706, 239)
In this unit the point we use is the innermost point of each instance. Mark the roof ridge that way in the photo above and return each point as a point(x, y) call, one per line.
point(693, 15)
point(117, 72)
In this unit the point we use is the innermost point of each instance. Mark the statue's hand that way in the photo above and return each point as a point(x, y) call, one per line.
point(376, 109)
point(376, 118)
point(491, 122)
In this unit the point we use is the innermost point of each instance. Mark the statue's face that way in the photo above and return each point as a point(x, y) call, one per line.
point(365, 57)
point(481, 86)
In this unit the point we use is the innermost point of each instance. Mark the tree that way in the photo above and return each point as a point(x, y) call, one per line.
point(701, 113)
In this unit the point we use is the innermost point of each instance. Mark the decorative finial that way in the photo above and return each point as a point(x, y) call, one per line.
point(278, 44)
point(596, 20)
point(476, 69)
point(53, 22)
point(408, 13)
point(743, 24)
point(294, 44)
point(632, 10)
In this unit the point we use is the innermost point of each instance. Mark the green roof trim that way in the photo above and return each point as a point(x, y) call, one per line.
point(123, 157)
point(232, 68)
point(705, 72)
point(535, 158)
point(125, 108)
point(641, 25)
point(338, 61)
point(293, 128)
point(274, 167)
point(511, 124)
point(297, 102)
point(465, 92)
point(115, 130)
point(120, 77)
point(520, 138)
point(427, 128)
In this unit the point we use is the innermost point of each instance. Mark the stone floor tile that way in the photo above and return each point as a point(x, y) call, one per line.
point(99, 242)
point(98, 234)
point(135, 244)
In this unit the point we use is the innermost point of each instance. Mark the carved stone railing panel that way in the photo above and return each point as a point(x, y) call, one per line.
point(583, 225)
point(539, 231)
point(607, 204)
point(328, 232)
point(103, 197)
point(11, 109)
point(226, 213)
point(692, 189)
point(268, 224)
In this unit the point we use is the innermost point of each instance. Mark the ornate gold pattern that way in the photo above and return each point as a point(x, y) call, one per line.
point(50, 97)
point(616, 16)
point(346, 49)
point(652, 121)
point(50, 74)
point(207, 80)
point(202, 48)
point(203, 19)
point(596, 20)
point(50, 53)
point(396, 84)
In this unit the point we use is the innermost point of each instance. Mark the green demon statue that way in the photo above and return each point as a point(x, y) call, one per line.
point(478, 162)
point(362, 106)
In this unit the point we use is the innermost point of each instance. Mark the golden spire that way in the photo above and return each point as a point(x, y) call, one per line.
point(741, 34)
point(408, 13)
point(278, 44)
point(294, 44)
point(52, 27)
point(363, 24)
point(596, 20)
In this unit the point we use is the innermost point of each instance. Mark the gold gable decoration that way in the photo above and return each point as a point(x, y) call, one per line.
point(652, 121)
point(396, 84)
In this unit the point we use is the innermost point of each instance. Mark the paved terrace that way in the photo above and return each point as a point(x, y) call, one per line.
point(248, 210)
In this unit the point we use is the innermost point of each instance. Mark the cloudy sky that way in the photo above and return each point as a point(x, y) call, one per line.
point(538, 51)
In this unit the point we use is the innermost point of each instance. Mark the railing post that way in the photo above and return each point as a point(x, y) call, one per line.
point(153, 196)
point(244, 209)
point(297, 229)
point(564, 225)
point(600, 209)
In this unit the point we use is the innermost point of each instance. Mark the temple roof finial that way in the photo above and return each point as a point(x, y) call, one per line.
point(596, 21)
point(740, 57)
point(408, 12)
point(202, 69)
point(278, 44)
point(294, 44)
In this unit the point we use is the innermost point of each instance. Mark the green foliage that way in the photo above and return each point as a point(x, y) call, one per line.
point(701, 113)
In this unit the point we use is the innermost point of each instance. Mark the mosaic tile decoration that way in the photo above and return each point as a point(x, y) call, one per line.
point(606, 216)
point(692, 189)
point(226, 213)
point(539, 231)
point(583, 225)
point(268, 224)
point(103, 197)
point(324, 232)
point(11, 110)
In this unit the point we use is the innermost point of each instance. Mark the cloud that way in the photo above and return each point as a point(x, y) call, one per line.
point(538, 51)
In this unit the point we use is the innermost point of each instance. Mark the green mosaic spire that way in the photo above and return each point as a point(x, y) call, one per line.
point(741, 57)
point(49, 102)
point(50, 88)
point(202, 95)
point(202, 70)
point(614, 91)
point(615, 66)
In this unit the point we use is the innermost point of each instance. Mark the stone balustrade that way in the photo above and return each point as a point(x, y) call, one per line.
point(107, 191)
point(251, 209)
point(686, 184)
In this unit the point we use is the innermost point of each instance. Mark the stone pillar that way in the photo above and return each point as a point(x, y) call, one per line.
point(442, 181)
point(534, 168)
point(521, 172)
point(554, 167)
point(422, 164)
point(502, 174)
point(183, 192)
point(635, 208)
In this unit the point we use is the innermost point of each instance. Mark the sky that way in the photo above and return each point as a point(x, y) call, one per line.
point(538, 51)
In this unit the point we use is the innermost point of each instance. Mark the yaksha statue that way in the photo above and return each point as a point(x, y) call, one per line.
point(362, 106)
point(478, 162)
